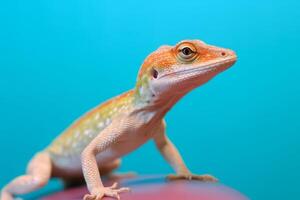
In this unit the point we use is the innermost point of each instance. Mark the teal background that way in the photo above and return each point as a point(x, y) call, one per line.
point(60, 58)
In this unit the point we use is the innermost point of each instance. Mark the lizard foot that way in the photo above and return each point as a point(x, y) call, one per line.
point(111, 191)
point(204, 178)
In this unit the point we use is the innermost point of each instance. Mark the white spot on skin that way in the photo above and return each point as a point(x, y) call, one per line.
point(107, 121)
point(141, 90)
point(77, 133)
point(97, 116)
point(88, 132)
point(100, 124)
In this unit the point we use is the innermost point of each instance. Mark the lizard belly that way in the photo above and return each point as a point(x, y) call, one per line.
point(72, 164)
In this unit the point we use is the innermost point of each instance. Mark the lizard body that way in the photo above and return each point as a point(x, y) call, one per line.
point(94, 143)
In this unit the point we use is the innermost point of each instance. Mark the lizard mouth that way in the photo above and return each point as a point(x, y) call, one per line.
point(204, 68)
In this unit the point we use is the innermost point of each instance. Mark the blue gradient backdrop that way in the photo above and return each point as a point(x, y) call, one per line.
point(60, 58)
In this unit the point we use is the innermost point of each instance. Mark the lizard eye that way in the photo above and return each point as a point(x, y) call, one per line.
point(186, 53)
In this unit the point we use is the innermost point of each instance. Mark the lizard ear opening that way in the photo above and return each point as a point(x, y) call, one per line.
point(154, 73)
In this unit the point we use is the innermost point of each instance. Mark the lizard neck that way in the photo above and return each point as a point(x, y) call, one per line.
point(146, 102)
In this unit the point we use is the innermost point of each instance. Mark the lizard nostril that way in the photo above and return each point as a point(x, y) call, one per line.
point(223, 53)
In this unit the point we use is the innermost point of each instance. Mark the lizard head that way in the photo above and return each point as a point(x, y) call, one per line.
point(175, 70)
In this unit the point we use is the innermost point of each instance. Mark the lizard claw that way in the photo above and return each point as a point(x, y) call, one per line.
point(204, 178)
point(111, 191)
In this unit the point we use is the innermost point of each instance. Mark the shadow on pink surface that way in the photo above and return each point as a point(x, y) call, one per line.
point(156, 188)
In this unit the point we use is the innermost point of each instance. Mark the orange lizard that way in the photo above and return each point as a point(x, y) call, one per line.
point(96, 141)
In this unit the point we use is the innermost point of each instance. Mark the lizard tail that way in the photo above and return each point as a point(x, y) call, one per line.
point(38, 174)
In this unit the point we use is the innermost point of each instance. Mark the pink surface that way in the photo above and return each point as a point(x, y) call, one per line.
point(156, 188)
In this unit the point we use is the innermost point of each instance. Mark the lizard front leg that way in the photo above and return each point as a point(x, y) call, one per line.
point(173, 157)
point(106, 139)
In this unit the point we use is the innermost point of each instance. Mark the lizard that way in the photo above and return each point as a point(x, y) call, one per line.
point(95, 143)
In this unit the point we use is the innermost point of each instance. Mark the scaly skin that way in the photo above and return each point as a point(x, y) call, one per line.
point(96, 141)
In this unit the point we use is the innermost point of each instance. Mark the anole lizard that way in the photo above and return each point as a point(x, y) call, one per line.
point(95, 142)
